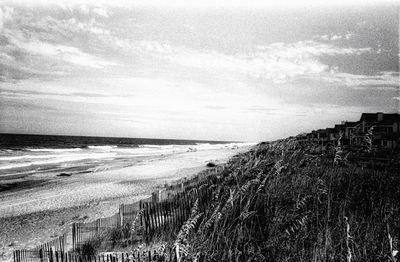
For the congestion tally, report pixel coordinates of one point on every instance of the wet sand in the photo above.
(45, 207)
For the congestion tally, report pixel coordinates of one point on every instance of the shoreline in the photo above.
(30, 218)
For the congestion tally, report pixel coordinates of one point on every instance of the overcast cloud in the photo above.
(209, 72)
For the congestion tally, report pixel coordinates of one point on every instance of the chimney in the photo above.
(379, 116)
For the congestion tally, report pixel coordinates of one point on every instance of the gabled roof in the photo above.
(386, 118)
(369, 117)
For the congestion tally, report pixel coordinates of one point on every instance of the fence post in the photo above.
(154, 198)
(152, 217)
(141, 217)
(160, 214)
(179, 208)
(73, 236)
(121, 214)
(146, 218)
(41, 255)
(51, 255)
(149, 220)
(157, 217)
(173, 205)
(164, 213)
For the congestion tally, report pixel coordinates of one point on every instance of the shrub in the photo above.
(211, 164)
(92, 246)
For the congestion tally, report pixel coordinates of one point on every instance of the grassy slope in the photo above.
(283, 202)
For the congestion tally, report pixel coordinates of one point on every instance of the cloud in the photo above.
(61, 52)
(334, 37)
(49, 43)
(1, 19)
(213, 107)
(38, 94)
(276, 62)
(101, 11)
(349, 35)
(37, 53)
(263, 109)
(204, 3)
(381, 81)
(6, 13)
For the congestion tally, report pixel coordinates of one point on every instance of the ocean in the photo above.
(41, 155)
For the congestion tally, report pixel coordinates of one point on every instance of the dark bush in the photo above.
(211, 164)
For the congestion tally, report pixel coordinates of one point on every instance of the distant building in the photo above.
(350, 129)
(331, 132)
(384, 130)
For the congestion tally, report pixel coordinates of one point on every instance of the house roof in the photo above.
(369, 117)
(386, 118)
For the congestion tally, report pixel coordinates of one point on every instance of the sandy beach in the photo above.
(46, 206)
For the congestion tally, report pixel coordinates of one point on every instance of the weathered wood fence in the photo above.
(165, 209)
(82, 232)
(40, 253)
(60, 256)
(172, 213)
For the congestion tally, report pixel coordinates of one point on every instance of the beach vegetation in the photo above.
(282, 201)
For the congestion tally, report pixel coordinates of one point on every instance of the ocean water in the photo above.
(23, 155)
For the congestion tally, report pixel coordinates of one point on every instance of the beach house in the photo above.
(384, 130)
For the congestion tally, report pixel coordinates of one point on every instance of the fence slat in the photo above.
(173, 210)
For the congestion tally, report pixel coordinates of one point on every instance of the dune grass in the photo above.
(287, 201)
(284, 202)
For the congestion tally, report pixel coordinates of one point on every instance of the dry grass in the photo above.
(291, 201)
(282, 202)
(112, 239)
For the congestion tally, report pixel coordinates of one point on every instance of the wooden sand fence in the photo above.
(173, 210)
(82, 232)
(165, 209)
(156, 217)
(41, 252)
(132, 256)
(172, 213)
(161, 207)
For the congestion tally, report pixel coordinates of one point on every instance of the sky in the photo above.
(232, 70)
